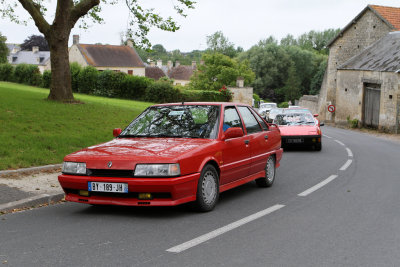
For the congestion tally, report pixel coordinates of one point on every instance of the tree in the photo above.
(67, 14)
(35, 40)
(291, 90)
(219, 70)
(218, 43)
(3, 49)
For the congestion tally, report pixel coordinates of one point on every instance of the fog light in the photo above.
(145, 196)
(314, 140)
(84, 193)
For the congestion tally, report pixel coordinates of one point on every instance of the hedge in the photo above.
(87, 80)
(27, 74)
(6, 72)
(46, 79)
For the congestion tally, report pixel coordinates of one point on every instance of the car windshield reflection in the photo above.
(180, 121)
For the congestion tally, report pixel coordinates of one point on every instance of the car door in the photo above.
(235, 151)
(258, 136)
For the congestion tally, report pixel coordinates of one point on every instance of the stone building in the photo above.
(371, 25)
(242, 94)
(118, 58)
(34, 57)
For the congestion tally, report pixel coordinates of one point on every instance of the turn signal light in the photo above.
(145, 196)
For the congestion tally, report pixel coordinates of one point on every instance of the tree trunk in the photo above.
(60, 89)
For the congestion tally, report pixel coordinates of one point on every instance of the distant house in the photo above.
(119, 58)
(181, 74)
(34, 57)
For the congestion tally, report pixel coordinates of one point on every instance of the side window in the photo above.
(261, 121)
(249, 120)
(231, 118)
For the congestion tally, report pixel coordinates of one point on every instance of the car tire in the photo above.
(318, 147)
(207, 189)
(269, 178)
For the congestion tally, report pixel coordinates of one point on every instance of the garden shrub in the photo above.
(109, 83)
(161, 92)
(201, 96)
(46, 79)
(87, 80)
(134, 87)
(6, 72)
(75, 69)
(283, 105)
(27, 74)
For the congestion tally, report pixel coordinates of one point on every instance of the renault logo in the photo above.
(109, 164)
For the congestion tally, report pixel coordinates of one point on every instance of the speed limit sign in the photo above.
(331, 108)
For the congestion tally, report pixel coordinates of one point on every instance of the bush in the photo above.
(283, 105)
(87, 80)
(201, 95)
(109, 83)
(256, 100)
(161, 92)
(6, 72)
(352, 123)
(46, 79)
(27, 74)
(134, 87)
(75, 69)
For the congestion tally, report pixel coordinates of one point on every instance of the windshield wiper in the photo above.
(131, 136)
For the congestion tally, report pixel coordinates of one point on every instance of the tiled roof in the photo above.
(391, 14)
(110, 56)
(154, 73)
(181, 73)
(383, 55)
(29, 57)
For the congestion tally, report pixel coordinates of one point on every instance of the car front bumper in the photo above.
(164, 191)
(300, 140)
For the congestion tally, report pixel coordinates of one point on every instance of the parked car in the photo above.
(264, 108)
(272, 113)
(176, 153)
(299, 129)
(297, 109)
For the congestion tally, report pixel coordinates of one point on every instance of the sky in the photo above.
(243, 22)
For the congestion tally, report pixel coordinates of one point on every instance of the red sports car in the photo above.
(176, 153)
(299, 129)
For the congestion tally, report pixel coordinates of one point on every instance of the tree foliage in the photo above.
(3, 49)
(218, 43)
(35, 40)
(220, 70)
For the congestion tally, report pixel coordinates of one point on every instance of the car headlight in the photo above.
(156, 170)
(74, 167)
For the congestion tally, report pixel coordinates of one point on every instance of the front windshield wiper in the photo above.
(131, 136)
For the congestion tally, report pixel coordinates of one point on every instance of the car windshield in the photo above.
(294, 119)
(297, 110)
(180, 121)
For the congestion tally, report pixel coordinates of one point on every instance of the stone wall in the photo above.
(76, 56)
(361, 34)
(242, 95)
(350, 93)
(310, 102)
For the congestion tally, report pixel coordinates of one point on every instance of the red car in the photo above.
(176, 153)
(299, 129)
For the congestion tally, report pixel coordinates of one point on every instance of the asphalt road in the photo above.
(337, 207)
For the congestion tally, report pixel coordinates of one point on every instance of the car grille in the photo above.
(110, 173)
(120, 195)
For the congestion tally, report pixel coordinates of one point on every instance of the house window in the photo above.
(14, 59)
(130, 72)
(41, 59)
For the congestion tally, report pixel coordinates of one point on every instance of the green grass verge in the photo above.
(35, 131)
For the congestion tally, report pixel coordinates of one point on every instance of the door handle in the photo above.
(266, 137)
(246, 142)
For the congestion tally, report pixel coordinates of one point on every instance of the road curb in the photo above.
(53, 167)
(31, 202)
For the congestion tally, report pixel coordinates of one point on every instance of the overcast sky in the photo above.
(243, 22)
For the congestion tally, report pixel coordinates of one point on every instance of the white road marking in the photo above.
(346, 165)
(326, 136)
(340, 143)
(349, 153)
(222, 230)
(318, 186)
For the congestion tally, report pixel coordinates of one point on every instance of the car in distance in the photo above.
(272, 113)
(264, 108)
(173, 154)
(299, 129)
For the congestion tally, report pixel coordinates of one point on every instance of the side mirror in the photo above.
(233, 133)
(116, 132)
(321, 124)
(315, 115)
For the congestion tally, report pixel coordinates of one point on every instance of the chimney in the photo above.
(194, 65)
(152, 64)
(169, 64)
(15, 50)
(35, 49)
(129, 43)
(159, 63)
(240, 82)
(177, 63)
(75, 39)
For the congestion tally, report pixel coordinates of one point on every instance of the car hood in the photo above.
(299, 130)
(123, 151)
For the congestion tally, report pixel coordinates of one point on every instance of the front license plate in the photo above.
(295, 140)
(108, 187)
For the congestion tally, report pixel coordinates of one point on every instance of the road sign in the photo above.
(331, 108)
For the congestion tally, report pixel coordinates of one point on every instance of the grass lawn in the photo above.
(36, 132)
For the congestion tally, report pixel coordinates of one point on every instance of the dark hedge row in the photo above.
(108, 83)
